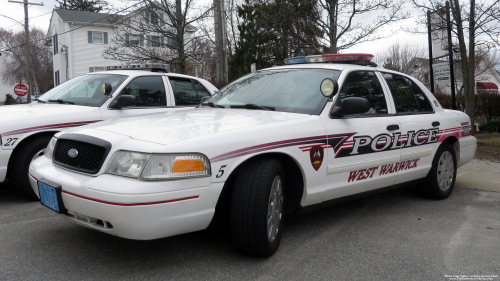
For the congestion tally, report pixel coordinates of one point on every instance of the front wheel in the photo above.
(257, 206)
(440, 181)
(20, 162)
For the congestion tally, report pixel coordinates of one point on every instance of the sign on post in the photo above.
(442, 73)
(21, 90)
(439, 34)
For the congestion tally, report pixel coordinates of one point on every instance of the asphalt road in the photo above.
(391, 236)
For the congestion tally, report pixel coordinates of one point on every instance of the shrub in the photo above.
(491, 126)
(9, 99)
(486, 108)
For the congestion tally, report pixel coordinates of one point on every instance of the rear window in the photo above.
(407, 95)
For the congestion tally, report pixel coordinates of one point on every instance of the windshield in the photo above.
(289, 90)
(83, 90)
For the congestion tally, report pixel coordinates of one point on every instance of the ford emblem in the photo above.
(72, 153)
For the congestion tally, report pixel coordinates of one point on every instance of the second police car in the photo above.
(131, 90)
(275, 142)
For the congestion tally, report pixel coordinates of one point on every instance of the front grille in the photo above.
(89, 159)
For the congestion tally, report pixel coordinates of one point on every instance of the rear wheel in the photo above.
(20, 162)
(440, 181)
(257, 207)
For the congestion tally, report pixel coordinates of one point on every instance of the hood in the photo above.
(167, 128)
(19, 117)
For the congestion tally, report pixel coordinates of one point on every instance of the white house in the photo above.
(5, 88)
(79, 40)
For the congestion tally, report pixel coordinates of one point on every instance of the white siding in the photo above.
(87, 54)
(5, 88)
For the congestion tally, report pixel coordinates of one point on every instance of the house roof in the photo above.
(87, 17)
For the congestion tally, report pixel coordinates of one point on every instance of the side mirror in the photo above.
(107, 88)
(349, 106)
(329, 87)
(123, 101)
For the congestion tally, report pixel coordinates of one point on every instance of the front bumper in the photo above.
(131, 208)
(4, 162)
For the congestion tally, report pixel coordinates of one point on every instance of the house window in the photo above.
(97, 37)
(56, 78)
(55, 44)
(133, 40)
(155, 41)
(154, 18)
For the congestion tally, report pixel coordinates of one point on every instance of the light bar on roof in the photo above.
(330, 58)
(138, 66)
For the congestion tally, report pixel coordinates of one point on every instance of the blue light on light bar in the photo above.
(295, 60)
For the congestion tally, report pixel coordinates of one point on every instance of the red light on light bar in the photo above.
(347, 57)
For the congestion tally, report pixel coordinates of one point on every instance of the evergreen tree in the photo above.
(272, 31)
(83, 5)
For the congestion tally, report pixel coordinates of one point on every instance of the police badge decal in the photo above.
(316, 155)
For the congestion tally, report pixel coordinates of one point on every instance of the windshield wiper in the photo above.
(62, 101)
(40, 101)
(252, 106)
(211, 104)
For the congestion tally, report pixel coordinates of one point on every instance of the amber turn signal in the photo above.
(187, 166)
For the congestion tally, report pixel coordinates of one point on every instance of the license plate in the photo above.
(50, 196)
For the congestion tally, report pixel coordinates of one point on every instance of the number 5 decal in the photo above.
(221, 171)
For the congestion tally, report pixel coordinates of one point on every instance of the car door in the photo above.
(151, 95)
(418, 122)
(187, 92)
(361, 152)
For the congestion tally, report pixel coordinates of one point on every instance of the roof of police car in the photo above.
(142, 73)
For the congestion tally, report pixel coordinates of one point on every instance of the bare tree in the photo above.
(40, 56)
(156, 32)
(345, 21)
(476, 26)
(406, 58)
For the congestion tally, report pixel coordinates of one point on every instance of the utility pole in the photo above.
(450, 57)
(26, 44)
(220, 42)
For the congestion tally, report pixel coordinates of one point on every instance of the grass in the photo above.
(488, 146)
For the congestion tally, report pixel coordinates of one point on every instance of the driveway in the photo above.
(396, 235)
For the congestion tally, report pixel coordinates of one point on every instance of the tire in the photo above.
(20, 162)
(440, 181)
(250, 204)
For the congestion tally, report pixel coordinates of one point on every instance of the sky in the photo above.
(40, 17)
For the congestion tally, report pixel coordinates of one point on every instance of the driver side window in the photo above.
(149, 91)
(365, 84)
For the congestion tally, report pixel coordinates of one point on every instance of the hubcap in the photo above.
(38, 154)
(275, 208)
(445, 171)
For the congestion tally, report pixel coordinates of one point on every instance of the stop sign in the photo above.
(21, 90)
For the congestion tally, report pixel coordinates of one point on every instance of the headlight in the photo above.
(159, 166)
(50, 148)
(127, 163)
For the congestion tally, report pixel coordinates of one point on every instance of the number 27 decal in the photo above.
(221, 171)
(10, 141)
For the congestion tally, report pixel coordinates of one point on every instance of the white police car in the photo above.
(278, 141)
(25, 130)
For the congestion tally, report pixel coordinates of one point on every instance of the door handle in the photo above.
(435, 124)
(393, 127)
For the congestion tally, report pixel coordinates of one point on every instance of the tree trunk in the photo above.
(467, 63)
(180, 36)
(332, 13)
(471, 94)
